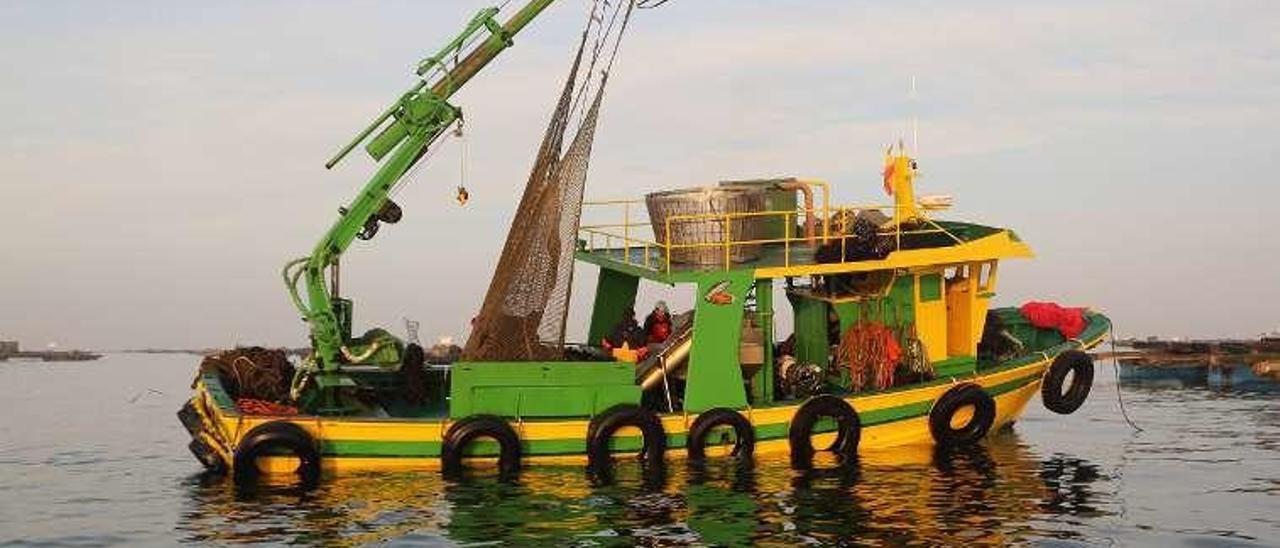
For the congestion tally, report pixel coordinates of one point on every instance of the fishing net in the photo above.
(525, 309)
(253, 373)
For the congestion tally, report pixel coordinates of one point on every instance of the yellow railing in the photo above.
(630, 234)
(595, 232)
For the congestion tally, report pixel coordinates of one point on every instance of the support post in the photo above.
(715, 371)
(762, 383)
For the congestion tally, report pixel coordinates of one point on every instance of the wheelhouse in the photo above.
(931, 283)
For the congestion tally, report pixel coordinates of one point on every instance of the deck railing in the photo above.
(635, 233)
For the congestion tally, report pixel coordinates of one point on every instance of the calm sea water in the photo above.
(91, 454)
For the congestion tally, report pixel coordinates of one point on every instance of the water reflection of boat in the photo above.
(999, 492)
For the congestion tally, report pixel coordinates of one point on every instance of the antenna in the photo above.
(915, 119)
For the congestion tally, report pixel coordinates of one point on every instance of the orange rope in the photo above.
(869, 348)
(250, 406)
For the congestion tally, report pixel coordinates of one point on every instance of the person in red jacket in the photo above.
(657, 326)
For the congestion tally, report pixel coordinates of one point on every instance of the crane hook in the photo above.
(462, 196)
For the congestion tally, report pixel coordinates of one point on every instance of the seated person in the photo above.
(627, 331)
(657, 326)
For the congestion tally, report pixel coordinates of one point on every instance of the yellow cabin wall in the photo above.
(931, 319)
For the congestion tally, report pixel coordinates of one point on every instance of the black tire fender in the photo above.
(744, 434)
(849, 429)
(606, 424)
(276, 435)
(467, 430)
(1080, 366)
(946, 407)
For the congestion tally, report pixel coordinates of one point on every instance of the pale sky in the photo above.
(160, 161)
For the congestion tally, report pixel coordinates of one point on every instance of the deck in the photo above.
(939, 243)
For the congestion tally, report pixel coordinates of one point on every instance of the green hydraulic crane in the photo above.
(405, 131)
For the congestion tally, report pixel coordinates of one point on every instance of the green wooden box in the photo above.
(540, 389)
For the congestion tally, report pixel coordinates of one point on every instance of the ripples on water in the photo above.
(89, 456)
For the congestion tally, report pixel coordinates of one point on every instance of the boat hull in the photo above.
(890, 419)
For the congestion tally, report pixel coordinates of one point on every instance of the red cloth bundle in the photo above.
(1068, 321)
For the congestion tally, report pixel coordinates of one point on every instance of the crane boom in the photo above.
(405, 131)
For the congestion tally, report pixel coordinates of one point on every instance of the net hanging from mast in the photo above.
(525, 309)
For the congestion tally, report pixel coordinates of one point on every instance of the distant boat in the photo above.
(10, 349)
(65, 355)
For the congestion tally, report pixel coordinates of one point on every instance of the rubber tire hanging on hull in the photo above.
(848, 429)
(1080, 365)
(744, 434)
(606, 424)
(279, 434)
(984, 415)
(468, 430)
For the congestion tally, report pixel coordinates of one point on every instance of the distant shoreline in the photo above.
(205, 351)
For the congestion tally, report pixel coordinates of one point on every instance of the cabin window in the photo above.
(986, 277)
(930, 287)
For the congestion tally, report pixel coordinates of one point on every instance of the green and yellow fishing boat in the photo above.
(893, 347)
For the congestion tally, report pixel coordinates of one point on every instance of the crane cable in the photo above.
(602, 39)
(430, 153)
(461, 196)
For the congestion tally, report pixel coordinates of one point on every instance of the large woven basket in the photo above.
(717, 201)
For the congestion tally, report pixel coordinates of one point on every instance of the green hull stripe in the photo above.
(431, 449)
(895, 414)
(362, 448)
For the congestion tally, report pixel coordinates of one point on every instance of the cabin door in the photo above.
(969, 290)
(961, 287)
